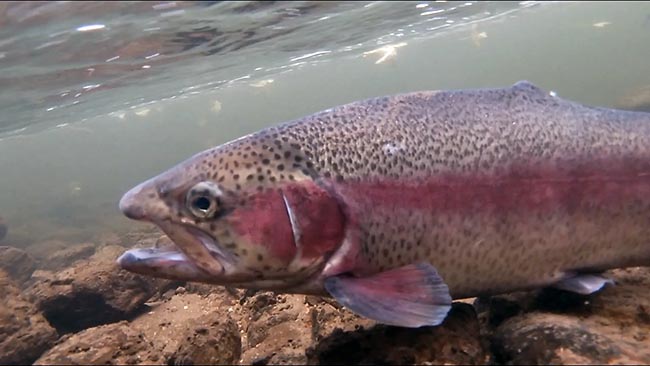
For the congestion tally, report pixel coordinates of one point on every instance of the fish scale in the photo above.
(449, 194)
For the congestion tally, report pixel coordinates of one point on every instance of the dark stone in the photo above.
(456, 341)
(550, 339)
(16, 263)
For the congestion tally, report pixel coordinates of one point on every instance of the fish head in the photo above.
(236, 216)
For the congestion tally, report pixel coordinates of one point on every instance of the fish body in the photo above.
(396, 205)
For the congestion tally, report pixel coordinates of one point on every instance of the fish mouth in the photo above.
(194, 256)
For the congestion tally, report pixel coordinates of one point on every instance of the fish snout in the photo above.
(142, 203)
(130, 209)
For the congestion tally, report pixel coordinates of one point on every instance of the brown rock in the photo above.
(610, 326)
(296, 329)
(212, 340)
(551, 339)
(456, 341)
(24, 332)
(57, 254)
(42, 250)
(107, 238)
(189, 327)
(116, 344)
(95, 291)
(67, 256)
(18, 264)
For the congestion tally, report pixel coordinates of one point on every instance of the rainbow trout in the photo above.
(396, 205)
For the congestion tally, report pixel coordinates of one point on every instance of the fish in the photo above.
(396, 206)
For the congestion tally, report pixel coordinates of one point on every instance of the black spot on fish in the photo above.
(260, 257)
(265, 161)
(280, 167)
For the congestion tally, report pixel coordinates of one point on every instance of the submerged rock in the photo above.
(92, 292)
(67, 256)
(187, 329)
(456, 341)
(559, 339)
(296, 329)
(57, 254)
(24, 332)
(16, 263)
(117, 344)
(608, 327)
(211, 339)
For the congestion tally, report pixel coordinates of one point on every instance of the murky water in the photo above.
(97, 97)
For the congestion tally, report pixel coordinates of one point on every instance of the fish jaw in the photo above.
(170, 264)
(197, 255)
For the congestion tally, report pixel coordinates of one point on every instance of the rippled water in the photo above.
(99, 96)
(70, 57)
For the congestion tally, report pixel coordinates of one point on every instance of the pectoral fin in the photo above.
(583, 284)
(411, 296)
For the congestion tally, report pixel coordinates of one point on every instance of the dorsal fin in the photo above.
(525, 86)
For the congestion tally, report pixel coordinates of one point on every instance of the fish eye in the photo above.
(203, 200)
(202, 204)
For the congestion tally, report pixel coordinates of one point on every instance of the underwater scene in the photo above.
(324, 182)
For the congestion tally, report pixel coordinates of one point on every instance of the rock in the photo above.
(189, 327)
(456, 341)
(67, 256)
(93, 292)
(551, 339)
(186, 329)
(107, 238)
(43, 250)
(610, 326)
(24, 332)
(212, 339)
(117, 344)
(3, 228)
(16, 263)
(57, 254)
(296, 329)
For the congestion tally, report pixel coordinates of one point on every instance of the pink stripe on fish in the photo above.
(521, 188)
